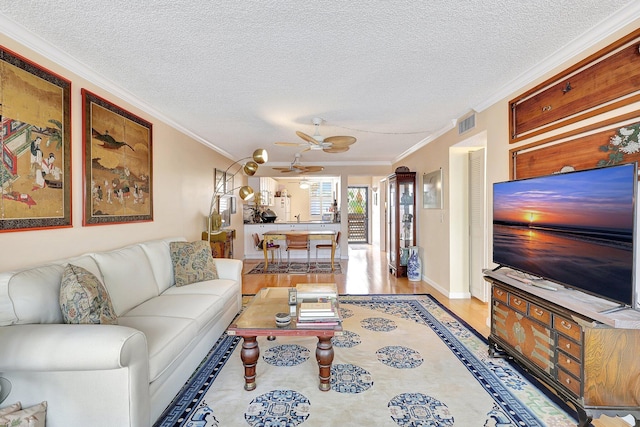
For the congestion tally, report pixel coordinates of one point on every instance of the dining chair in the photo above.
(272, 248)
(298, 243)
(327, 246)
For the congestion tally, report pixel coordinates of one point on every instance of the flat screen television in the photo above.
(576, 229)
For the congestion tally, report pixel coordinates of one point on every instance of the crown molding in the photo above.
(437, 134)
(40, 46)
(594, 35)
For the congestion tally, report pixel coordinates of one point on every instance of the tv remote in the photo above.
(519, 278)
(543, 285)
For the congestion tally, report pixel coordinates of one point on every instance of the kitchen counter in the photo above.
(306, 222)
(251, 252)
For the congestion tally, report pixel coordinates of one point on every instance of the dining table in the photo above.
(272, 235)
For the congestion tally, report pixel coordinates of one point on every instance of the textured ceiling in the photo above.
(243, 74)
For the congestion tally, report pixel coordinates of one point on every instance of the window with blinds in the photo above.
(320, 198)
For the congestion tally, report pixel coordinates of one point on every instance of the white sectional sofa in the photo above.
(112, 375)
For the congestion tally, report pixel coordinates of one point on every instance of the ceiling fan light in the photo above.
(304, 185)
(260, 156)
(246, 193)
(250, 168)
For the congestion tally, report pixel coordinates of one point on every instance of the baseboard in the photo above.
(446, 292)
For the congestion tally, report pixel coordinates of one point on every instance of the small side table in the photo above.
(221, 242)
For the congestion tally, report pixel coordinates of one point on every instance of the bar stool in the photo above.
(271, 248)
(298, 243)
(327, 246)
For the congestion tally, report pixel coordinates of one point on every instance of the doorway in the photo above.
(477, 241)
(467, 228)
(358, 214)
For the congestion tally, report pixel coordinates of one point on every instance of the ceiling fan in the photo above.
(330, 144)
(298, 168)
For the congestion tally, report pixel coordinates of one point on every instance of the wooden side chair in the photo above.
(327, 246)
(273, 249)
(298, 243)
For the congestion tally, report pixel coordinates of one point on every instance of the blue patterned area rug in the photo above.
(322, 267)
(403, 360)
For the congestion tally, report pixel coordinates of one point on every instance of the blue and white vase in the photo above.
(414, 266)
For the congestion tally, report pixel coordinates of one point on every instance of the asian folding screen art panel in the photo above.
(35, 172)
(118, 158)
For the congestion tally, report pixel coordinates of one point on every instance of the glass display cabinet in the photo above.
(401, 219)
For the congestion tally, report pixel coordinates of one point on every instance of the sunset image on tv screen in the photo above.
(575, 228)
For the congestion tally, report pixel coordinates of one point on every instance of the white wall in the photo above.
(440, 244)
(182, 181)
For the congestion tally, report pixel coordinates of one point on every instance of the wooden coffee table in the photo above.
(258, 320)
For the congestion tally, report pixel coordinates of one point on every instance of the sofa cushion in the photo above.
(159, 255)
(167, 337)
(128, 277)
(8, 315)
(31, 295)
(34, 293)
(224, 288)
(192, 262)
(200, 308)
(83, 298)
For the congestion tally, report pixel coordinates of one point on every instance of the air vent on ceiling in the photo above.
(466, 124)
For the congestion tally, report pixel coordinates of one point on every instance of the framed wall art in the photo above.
(432, 190)
(35, 172)
(118, 164)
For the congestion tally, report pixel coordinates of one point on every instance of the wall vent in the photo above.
(466, 124)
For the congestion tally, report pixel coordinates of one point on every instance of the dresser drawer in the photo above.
(500, 294)
(567, 328)
(570, 347)
(569, 382)
(540, 314)
(569, 364)
(518, 304)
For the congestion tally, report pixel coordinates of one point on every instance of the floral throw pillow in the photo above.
(34, 416)
(84, 299)
(192, 262)
(10, 409)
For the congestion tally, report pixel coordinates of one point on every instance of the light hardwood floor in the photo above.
(366, 272)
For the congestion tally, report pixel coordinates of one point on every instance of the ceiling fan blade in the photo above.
(281, 169)
(314, 168)
(340, 140)
(336, 149)
(306, 149)
(300, 167)
(307, 137)
(288, 144)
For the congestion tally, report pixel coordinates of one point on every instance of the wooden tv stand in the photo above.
(571, 341)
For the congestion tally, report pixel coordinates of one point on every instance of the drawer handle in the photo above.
(538, 312)
(566, 325)
(568, 345)
(568, 381)
(516, 301)
(499, 292)
(546, 108)
(568, 361)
